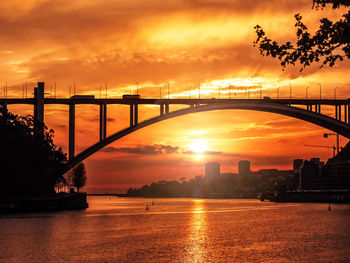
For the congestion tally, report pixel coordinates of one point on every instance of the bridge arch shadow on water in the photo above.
(321, 120)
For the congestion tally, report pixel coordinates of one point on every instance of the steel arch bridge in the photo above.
(312, 113)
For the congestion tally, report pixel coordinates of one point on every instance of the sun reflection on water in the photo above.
(196, 248)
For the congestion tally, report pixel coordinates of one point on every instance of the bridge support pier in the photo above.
(318, 108)
(167, 108)
(103, 121)
(71, 144)
(345, 113)
(136, 113)
(161, 109)
(348, 120)
(133, 114)
(336, 112)
(39, 104)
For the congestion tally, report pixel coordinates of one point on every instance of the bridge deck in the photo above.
(150, 101)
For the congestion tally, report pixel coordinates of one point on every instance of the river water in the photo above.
(116, 229)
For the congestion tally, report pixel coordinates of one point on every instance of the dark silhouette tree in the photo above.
(79, 176)
(330, 43)
(30, 163)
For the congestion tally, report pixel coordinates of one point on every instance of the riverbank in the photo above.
(58, 202)
(309, 196)
(211, 196)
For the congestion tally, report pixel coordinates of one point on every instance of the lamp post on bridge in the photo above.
(168, 90)
(335, 93)
(260, 91)
(278, 92)
(229, 91)
(199, 91)
(320, 91)
(290, 91)
(307, 88)
(106, 89)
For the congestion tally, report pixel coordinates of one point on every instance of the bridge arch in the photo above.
(309, 116)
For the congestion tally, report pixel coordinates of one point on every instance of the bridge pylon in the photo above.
(71, 142)
(103, 121)
(39, 106)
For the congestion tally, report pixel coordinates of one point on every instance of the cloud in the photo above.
(203, 153)
(143, 149)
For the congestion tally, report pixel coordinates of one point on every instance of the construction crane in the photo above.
(323, 146)
(325, 135)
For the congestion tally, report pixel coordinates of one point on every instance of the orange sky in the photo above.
(154, 42)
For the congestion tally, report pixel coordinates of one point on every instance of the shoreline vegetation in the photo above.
(32, 168)
(228, 185)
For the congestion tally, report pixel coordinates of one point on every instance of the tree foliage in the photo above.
(226, 185)
(329, 44)
(79, 176)
(31, 164)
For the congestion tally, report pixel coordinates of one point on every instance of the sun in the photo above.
(198, 146)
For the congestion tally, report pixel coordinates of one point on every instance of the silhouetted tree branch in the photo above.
(330, 43)
(31, 164)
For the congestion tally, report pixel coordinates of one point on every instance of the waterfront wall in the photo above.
(333, 196)
(58, 202)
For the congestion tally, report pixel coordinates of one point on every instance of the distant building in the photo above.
(244, 167)
(310, 173)
(337, 175)
(336, 172)
(212, 170)
(297, 163)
